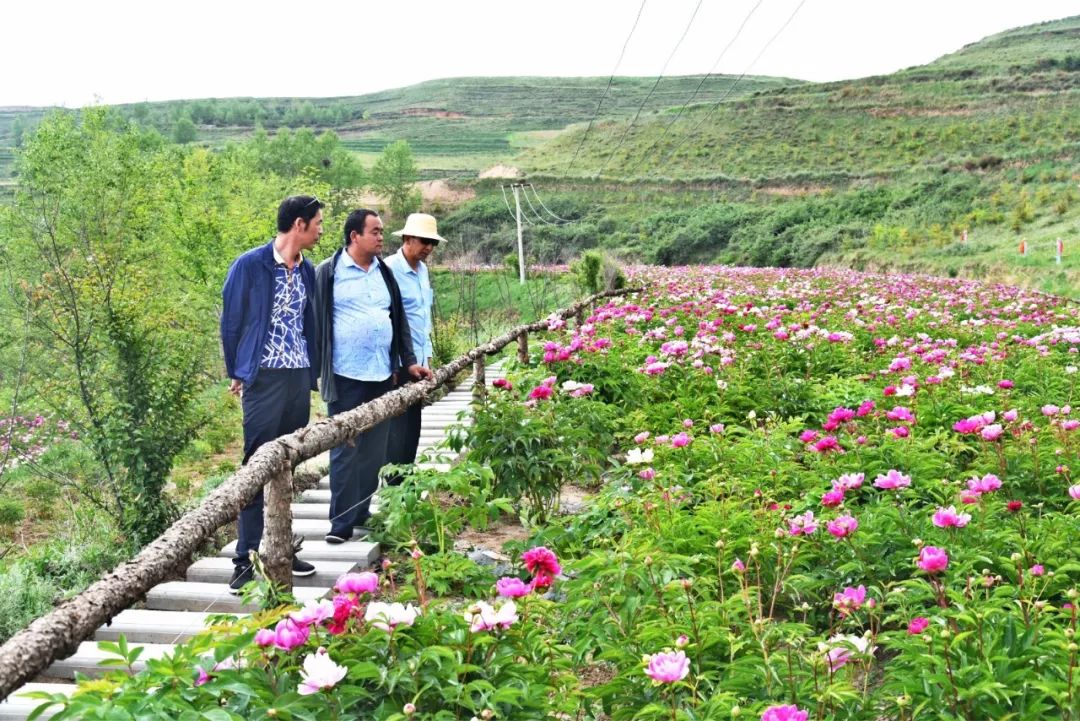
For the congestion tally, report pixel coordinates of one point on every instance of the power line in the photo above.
(541, 218)
(508, 210)
(653, 90)
(732, 87)
(693, 95)
(541, 202)
(608, 88)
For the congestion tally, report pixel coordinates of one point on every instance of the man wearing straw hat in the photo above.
(418, 240)
(365, 342)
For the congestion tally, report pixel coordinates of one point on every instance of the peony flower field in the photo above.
(815, 494)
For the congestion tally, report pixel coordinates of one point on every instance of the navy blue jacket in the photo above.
(247, 302)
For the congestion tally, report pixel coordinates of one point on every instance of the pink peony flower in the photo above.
(738, 566)
(314, 612)
(288, 634)
(1037, 570)
(918, 625)
(899, 432)
(1074, 492)
(1050, 410)
(902, 414)
(785, 712)
(849, 600)
(541, 561)
(809, 436)
(319, 673)
(892, 481)
(849, 481)
(641, 437)
(265, 637)
(680, 440)
(992, 432)
(503, 384)
(933, 560)
(510, 587)
(842, 526)
(540, 393)
(482, 617)
(832, 498)
(716, 428)
(828, 444)
(1005, 384)
(667, 666)
(647, 474)
(949, 518)
(802, 525)
(986, 484)
(357, 583)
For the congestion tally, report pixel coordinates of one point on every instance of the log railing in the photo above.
(57, 634)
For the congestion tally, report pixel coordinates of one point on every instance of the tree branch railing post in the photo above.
(523, 348)
(479, 387)
(57, 634)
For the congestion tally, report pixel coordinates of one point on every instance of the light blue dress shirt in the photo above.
(417, 296)
(362, 329)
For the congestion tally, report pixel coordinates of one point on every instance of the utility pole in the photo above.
(521, 246)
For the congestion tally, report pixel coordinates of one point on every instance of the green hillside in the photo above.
(883, 172)
(458, 125)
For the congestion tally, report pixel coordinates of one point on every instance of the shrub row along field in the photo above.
(821, 495)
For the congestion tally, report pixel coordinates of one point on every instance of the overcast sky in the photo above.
(81, 52)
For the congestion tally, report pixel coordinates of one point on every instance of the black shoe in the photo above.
(242, 576)
(302, 568)
(336, 536)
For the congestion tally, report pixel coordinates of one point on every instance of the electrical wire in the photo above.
(693, 95)
(508, 210)
(541, 218)
(541, 202)
(611, 79)
(659, 77)
(732, 87)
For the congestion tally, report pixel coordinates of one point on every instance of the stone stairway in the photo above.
(175, 611)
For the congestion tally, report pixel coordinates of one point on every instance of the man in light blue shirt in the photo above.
(418, 240)
(365, 343)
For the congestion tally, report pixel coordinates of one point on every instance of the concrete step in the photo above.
(16, 707)
(358, 552)
(315, 496)
(219, 570)
(212, 597)
(88, 657)
(142, 626)
(309, 509)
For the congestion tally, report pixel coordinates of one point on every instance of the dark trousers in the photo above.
(404, 437)
(277, 403)
(354, 468)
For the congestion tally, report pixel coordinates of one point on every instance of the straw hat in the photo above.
(420, 225)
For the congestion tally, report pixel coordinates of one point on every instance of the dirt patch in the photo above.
(919, 112)
(573, 499)
(596, 674)
(794, 190)
(501, 171)
(431, 113)
(432, 192)
(493, 537)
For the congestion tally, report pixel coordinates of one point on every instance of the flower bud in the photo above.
(719, 544)
(409, 709)
(648, 560)
(487, 714)
(917, 542)
(1072, 647)
(687, 583)
(1015, 557)
(1073, 594)
(735, 711)
(1069, 633)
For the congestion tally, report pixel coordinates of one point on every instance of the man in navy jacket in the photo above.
(269, 339)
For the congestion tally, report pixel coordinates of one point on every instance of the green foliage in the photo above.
(119, 341)
(184, 131)
(596, 271)
(429, 508)
(394, 176)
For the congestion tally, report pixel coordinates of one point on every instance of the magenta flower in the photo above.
(641, 437)
(1037, 570)
(319, 673)
(849, 600)
(1050, 410)
(1074, 492)
(785, 712)
(992, 432)
(541, 562)
(949, 518)
(809, 436)
(900, 413)
(1005, 384)
(503, 384)
(366, 582)
(832, 498)
(716, 428)
(540, 393)
(899, 432)
(918, 625)
(802, 525)
(510, 587)
(647, 474)
(680, 440)
(203, 676)
(892, 481)
(842, 526)
(828, 444)
(933, 560)
(265, 637)
(288, 634)
(667, 666)
(738, 566)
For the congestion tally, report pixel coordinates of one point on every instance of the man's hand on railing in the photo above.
(418, 372)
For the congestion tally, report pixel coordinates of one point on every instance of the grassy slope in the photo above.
(455, 125)
(972, 140)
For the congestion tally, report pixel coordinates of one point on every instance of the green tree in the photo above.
(394, 176)
(184, 130)
(122, 345)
